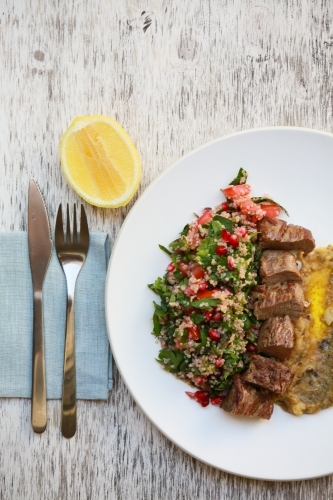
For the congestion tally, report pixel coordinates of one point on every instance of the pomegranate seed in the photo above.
(202, 397)
(217, 316)
(231, 263)
(189, 292)
(208, 315)
(219, 362)
(250, 347)
(214, 334)
(225, 235)
(190, 394)
(225, 206)
(199, 381)
(204, 402)
(216, 400)
(207, 209)
(241, 231)
(171, 267)
(233, 240)
(221, 250)
(203, 285)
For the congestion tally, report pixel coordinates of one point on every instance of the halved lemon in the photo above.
(99, 161)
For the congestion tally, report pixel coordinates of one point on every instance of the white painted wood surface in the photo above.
(175, 74)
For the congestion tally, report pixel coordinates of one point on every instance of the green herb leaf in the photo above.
(259, 199)
(227, 223)
(170, 359)
(205, 303)
(197, 318)
(165, 250)
(240, 179)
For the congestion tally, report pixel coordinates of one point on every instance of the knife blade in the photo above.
(40, 250)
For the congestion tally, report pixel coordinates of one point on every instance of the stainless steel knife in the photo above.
(40, 250)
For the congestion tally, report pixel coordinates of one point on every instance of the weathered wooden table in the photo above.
(175, 74)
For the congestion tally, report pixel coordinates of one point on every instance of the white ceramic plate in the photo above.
(294, 166)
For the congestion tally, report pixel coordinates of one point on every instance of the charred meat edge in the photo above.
(276, 337)
(277, 266)
(276, 234)
(279, 299)
(268, 374)
(245, 399)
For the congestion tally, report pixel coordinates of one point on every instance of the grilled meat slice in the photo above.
(245, 399)
(269, 374)
(279, 299)
(276, 337)
(276, 234)
(277, 266)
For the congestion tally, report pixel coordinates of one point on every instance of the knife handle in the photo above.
(38, 400)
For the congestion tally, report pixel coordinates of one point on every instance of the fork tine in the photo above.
(84, 231)
(59, 228)
(75, 237)
(68, 228)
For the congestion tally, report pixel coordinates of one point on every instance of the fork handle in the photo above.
(68, 421)
(38, 396)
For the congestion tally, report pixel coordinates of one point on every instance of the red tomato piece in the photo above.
(197, 271)
(193, 332)
(206, 294)
(205, 218)
(238, 191)
(271, 210)
(249, 207)
(183, 268)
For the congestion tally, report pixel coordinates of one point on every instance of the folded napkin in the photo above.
(93, 356)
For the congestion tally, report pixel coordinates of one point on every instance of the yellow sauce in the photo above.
(312, 356)
(316, 294)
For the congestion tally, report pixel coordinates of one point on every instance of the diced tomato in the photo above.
(238, 191)
(205, 218)
(183, 268)
(271, 210)
(197, 271)
(171, 267)
(193, 332)
(249, 207)
(206, 294)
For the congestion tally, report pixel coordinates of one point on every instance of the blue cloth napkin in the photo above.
(93, 356)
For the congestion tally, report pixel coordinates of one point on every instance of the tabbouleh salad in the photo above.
(203, 322)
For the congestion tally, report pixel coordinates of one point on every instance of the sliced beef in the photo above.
(276, 337)
(269, 374)
(276, 234)
(277, 266)
(279, 299)
(245, 399)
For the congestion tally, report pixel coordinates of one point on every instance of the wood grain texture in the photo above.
(175, 74)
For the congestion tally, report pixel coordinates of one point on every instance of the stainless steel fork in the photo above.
(71, 252)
